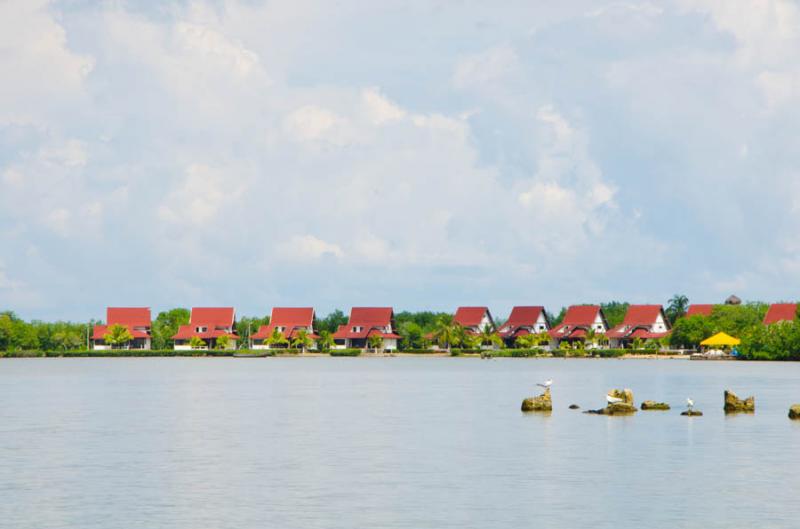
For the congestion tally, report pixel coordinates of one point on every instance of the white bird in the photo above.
(613, 400)
(690, 403)
(547, 383)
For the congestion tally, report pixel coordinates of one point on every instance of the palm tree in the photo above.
(527, 341)
(117, 334)
(591, 337)
(326, 340)
(223, 341)
(471, 341)
(488, 336)
(302, 341)
(445, 332)
(195, 342)
(375, 341)
(277, 338)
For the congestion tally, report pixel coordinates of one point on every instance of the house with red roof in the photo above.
(135, 319)
(523, 321)
(208, 324)
(778, 312)
(288, 321)
(577, 322)
(473, 319)
(645, 322)
(700, 309)
(365, 322)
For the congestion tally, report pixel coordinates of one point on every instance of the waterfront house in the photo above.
(778, 312)
(288, 321)
(364, 323)
(700, 309)
(208, 324)
(578, 323)
(135, 319)
(473, 319)
(645, 322)
(523, 321)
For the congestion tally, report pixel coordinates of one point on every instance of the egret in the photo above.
(547, 383)
(689, 403)
(613, 400)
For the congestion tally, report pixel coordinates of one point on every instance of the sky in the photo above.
(415, 154)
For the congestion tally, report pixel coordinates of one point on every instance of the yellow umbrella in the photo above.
(721, 339)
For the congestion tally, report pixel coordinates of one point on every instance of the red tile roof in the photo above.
(185, 332)
(133, 316)
(520, 321)
(638, 318)
(470, 316)
(213, 316)
(578, 318)
(780, 312)
(369, 319)
(696, 309)
(292, 319)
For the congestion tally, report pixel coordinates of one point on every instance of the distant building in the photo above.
(473, 319)
(365, 322)
(577, 322)
(778, 312)
(700, 309)
(135, 319)
(287, 320)
(646, 322)
(523, 321)
(208, 324)
(733, 300)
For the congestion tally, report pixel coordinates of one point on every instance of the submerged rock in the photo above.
(574, 407)
(617, 408)
(692, 413)
(541, 403)
(794, 412)
(734, 404)
(653, 405)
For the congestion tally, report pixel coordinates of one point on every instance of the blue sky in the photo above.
(416, 154)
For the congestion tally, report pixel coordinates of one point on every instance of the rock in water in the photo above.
(734, 404)
(794, 412)
(692, 413)
(625, 394)
(574, 407)
(653, 405)
(541, 403)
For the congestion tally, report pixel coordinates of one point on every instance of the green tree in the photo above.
(67, 339)
(447, 332)
(117, 335)
(195, 342)
(223, 342)
(331, 322)
(412, 335)
(526, 341)
(302, 340)
(688, 332)
(277, 338)
(488, 336)
(471, 341)
(676, 307)
(375, 342)
(615, 311)
(166, 325)
(247, 326)
(558, 318)
(326, 341)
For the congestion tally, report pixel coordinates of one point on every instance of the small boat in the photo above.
(251, 355)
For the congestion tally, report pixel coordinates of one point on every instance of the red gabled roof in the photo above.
(132, 316)
(368, 318)
(780, 312)
(581, 315)
(213, 316)
(704, 309)
(642, 315)
(185, 332)
(470, 316)
(291, 319)
(520, 319)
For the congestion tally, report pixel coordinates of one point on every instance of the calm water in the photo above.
(390, 442)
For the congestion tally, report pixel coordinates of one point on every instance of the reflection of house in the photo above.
(135, 319)
(577, 322)
(523, 321)
(473, 319)
(365, 322)
(701, 309)
(645, 322)
(288, 321)
(778, 312)
(208, 324)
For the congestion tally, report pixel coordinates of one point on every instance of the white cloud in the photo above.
(302, 247)
(486, 67)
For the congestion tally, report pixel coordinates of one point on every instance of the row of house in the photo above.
(208, 324)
